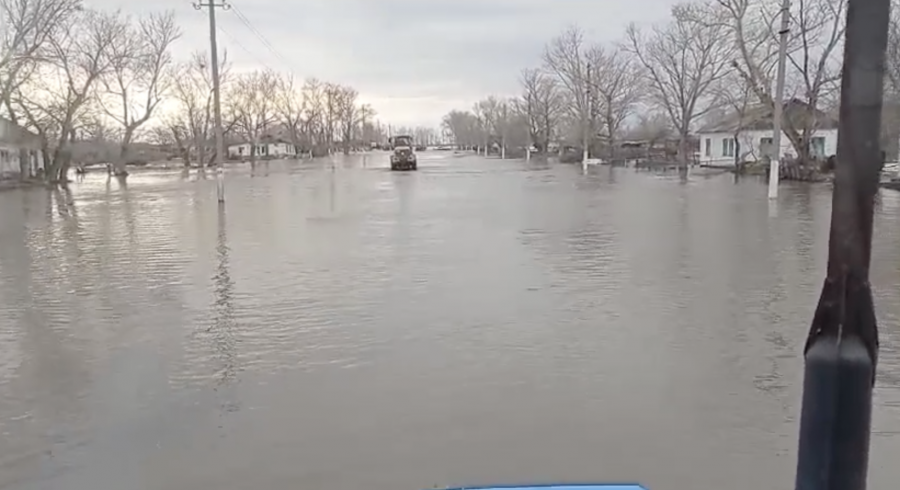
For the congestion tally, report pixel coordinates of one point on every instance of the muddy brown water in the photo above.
(477, 321)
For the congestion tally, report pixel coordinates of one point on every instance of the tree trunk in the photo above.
(737, 153)
(683, 150)
(47, 160)
(121, 162)
(64, 169)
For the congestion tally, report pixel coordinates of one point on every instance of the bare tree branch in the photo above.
(251, 104)
(139, 77)
(542, 104)
(617, 83)
(682, 60)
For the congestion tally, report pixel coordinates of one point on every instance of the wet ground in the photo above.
(477, 321)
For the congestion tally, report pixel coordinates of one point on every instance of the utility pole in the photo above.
(587, 119)
(774, 163)
(217, 94)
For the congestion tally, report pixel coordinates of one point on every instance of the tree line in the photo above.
(69, 72)
(708, 59)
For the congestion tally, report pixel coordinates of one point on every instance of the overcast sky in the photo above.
(413, 60)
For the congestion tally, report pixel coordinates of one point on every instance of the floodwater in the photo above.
(478, 321)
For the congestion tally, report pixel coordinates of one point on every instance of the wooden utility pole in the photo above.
(774, 161)
(217, 94)
(586, 123)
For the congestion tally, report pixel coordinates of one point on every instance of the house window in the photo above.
(817, 146)
(728, 147)
(708, 151)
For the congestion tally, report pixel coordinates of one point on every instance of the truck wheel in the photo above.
(415, 166)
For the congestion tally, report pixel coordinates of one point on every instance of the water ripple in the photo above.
(474, 321)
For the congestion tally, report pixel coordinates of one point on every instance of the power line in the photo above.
(239, 44)
(244, 20)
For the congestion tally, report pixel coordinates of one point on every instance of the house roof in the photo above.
(759, 117)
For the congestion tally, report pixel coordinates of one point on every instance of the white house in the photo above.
(747, 137)
(269, 148)
(19, 151)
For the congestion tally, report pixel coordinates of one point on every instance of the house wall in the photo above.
(239, 150)
(272, 149)
(16, 145)
(282, 150)
(9, 161)
(750, 148)
(10, 158)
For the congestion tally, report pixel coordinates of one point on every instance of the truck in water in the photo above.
(404, 155)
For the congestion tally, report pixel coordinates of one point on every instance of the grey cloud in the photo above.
(404, 52)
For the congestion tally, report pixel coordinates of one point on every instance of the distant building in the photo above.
(19, 151)
(753, 127)
(266, 148)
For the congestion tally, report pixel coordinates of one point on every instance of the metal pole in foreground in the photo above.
(774, 162)
(842, 348)
(217, 95)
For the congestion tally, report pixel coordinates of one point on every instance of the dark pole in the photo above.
(842, 348)
(217, 98)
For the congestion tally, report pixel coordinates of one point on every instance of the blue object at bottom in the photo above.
(580, 486)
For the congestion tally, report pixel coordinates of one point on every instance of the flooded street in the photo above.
(477, 321)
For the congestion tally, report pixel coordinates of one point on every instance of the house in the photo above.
(266, 148)
(19, 151)
(747, 136)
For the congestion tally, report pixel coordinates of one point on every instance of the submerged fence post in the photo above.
(842, 348)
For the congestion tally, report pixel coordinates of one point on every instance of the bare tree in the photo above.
(29, 26)
(682, 61)
(464, 127)
(892, 58)
(488, 112)
(367, 132)
(313, 116)
(564, 56)
(542, 105)
(331, 113)
(503, 124)
(653, 127)
(816, 54)
(890, 123)
(78, 55)
(617, 85)
(813, 56)
(423, 135)
(251, 105)
(289, 108)
(348, 115)
(191, 122)
(139, 77)
(482, 125)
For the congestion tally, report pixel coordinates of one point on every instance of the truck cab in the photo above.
(403, 156)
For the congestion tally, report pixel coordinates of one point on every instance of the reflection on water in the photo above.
(344, 326)
(222, 329)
